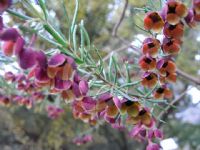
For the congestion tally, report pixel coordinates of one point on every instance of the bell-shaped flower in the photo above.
(189, 19)
(171, 46)
(153, 21)
(62, 66)
(162, 92)
(149, 79)
(174, 11)
(150, 47)
(147, 63)
(153, 146)
(170, 77)
(174, 31)
(165, 66)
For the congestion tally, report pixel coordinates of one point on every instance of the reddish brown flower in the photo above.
(170, 77)
(174, 31)
(147, 63)
(174, 11)
(196, 6)
(165, 66)
(149, 79)
(171, 46)
(196, 16)
(153, 21)
(163, 92)
(150, 47)
(143, 117)
(131, 108)
(61, 66)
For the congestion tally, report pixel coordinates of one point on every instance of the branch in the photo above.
(188, 77)
(119, 50)
(116, 27)
(171, 104)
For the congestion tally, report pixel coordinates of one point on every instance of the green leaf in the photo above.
(31, 30)
(44, 9)
(86, 35)
(156, 101)
(55, 35)
(21, 16)
(65, 12)
(130, 84)
(79, 61)
(110, 74)
(32, 10)
(139, 91)
(115, 67)
(75, 16)
(74, 38)
(150, 92)
(124, 95)
(127, 73)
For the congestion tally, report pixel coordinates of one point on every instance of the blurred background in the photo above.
(24, 129)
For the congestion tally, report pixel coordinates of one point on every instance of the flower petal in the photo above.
(9, 34)
(57, 60)
(88, 103)
(19, 44)
(27, 58)
(41, 75)
(83, 86)
(62, 84)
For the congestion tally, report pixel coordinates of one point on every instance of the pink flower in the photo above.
(138, 132)
(153, 146)
(54, 112)
(9, 76)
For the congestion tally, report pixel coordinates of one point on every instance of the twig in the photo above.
(188, 77)
(136, 49)
(171, 104)
(116, 50)
(116, 27)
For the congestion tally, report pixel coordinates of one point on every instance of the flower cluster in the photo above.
(158, 66)
(141, 134)
(58, 73)
(30, 94)
(111, 109)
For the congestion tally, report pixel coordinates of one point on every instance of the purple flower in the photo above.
(9, 76)
(189, 19)
(158, 133)
(10, 34)
(27, 58)
(153, 146)
(61, 66)
(88, 104)
(62, 84)
(54, 112)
